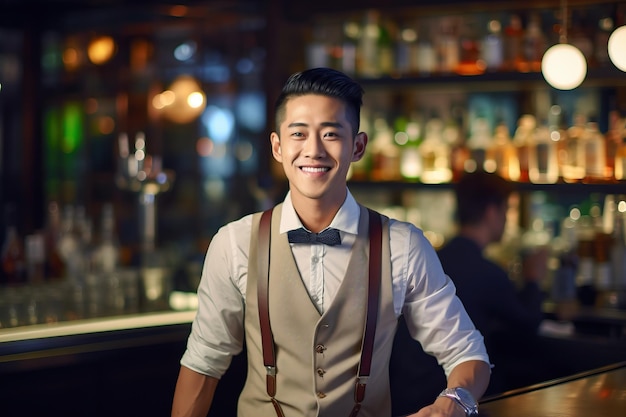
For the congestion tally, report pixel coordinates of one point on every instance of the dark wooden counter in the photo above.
(597, 393)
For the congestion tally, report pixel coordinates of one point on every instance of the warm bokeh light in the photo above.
(101, 49)
(617, 47)
(183, 102)
(70, 58)
(564, 67)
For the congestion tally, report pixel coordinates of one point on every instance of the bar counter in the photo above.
(597, 393)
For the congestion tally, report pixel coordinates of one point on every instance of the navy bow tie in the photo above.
(329, 237)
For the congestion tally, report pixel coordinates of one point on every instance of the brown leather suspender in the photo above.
(367, 348)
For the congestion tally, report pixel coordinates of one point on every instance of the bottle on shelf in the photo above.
(410, 159)
(618, 250)
(513, 43)
(368, 64)
(534, 45)
(503, 153)
(470, 59)
(523, 140)
(595, 153)
(543, 165)
(435, 153)
(425, 58)
(55, 265)
(479, 141)
(385, 153)
(612, 139)
(573, 151)
(448, 48)
(493, 46)
(620, 152)
(13, 257)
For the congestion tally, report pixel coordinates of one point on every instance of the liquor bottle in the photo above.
(558, 133)
(543, 165)
(534, 45)
(455, 135)
(35, 255)
(435, 153)
(493, 47)
(13, 258)
(479, 141)
(573, 151)
(385, 153)
(523, 140)
(367, 48)
(410, 159)
(448, 47)
(470, 62)
(54, 263)
(107, 251)
(618, 247)
(513, 41)
(425, 58)
(595, 153)
(620, 153)
(386, 56)
(612, 140)
(503, 154)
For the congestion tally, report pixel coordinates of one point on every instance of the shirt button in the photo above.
(321, 395)
(321, 371)
(315, 259)
(320, 348)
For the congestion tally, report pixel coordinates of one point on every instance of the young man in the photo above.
(318, 293)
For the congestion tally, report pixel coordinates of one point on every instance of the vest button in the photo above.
(321, 371)
(321, 395)
(320, 348)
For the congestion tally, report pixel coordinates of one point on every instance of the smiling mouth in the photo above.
(315, 169)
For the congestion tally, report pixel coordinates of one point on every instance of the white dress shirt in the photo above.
(421, 290)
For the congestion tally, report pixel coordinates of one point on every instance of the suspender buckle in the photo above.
(271, 370)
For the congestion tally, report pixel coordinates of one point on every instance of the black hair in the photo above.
(326, 82)
(476, 191)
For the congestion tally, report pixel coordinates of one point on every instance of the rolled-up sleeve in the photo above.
(217, 331)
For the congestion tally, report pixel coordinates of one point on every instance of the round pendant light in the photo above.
(564, 66)
(617, 47)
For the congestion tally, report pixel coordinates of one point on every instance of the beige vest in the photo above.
(317, 356)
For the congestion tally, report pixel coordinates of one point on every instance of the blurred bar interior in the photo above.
(131, 131)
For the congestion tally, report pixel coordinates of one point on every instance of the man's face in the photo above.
(315, 146)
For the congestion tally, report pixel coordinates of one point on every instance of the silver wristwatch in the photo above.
(463, 398)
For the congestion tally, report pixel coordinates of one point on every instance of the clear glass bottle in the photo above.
(13, 257)
(493, 46)
(573, 151)
(479, 141)
(435, 153)
(543, 165)
(503, 154)
(595, 153)
(523, 140)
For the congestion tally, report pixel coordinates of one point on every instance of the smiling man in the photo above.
(316, 285)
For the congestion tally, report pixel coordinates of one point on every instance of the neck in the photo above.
(478, 234)
(316, 214)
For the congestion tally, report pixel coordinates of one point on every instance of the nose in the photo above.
(314, 146)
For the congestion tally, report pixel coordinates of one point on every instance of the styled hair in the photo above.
(476, 191)
(326, 82)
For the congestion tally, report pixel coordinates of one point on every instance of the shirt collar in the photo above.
(346, 219)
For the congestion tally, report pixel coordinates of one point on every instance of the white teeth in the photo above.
(311, 169)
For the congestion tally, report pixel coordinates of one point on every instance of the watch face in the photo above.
(465, 397)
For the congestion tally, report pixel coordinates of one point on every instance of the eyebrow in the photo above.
(324, 124)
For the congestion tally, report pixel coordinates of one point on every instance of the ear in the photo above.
(359, 145)
(275, 145)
